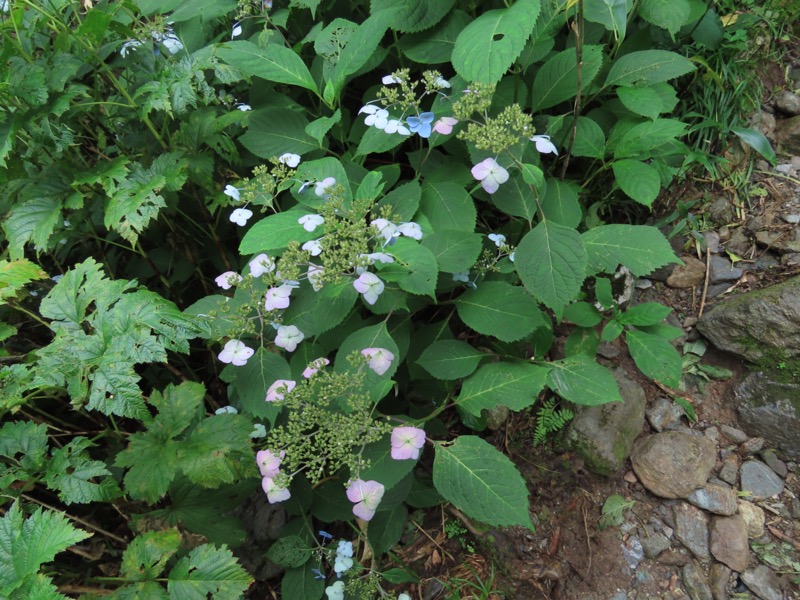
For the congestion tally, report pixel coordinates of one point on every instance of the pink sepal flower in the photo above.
(274, 492)
(367, 496)
(407, 442)
(490, 174)
(315, 366)
(278, 390)
(445, 125)
(268, 463)
(380, 359)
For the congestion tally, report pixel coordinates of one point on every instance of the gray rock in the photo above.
(712, 433)
(664, 414)
(753, 323)
(654, 544)
(791, 260)
(779, 240)
(695, 583)
(759, 480)
(721, 269)
(691, 529)
(733, 434)
(788, 136)
(792, 218)
(771, 409)
(728, 542)
(765, 262)
(633, 552)
(690, 274)
(603, 436)
(729, 471)
(717, 289)
(715, 498)
(752, 446)
(497, 416)
(719, 576)
(712, 241)
(775, 463)
(754, 518)
(764, 122)
(763, 583)
(788, 103)
(673, 464)
(721, 210)
(785, 169)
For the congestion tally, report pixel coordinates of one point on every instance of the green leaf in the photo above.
(647, 136)
(216, 450)
(275, 232)
(516, 198)
(300, 584)
(146, 556)
(647, 313)
(375, 336)
(646, 67)
(77, 477)
(448, 206)
(582, 341)
(414, 15)
(273, 131)
(289, 551)
(500, 309)
(249, 383)
(641, 248)
(514, 385)
(490, 44)
(15, 275)
(273, 63)
(314, 313)
(757, 142)
(610, 13)
(360, 47)
(611, 331)
(560, 203)
(435, 46)
(319, 127)
(645, 101)
(638, 180)
(590, 140)
(481, 482)
(583, 314)
(450, 359)
(386, 528)
(581, 380)
(208, 571)
(382, 467)
(551, 261)
(377, 141)
(655, 357)
(709, 30)
(455, 251)
(26, 544)
(32, 221)
(667, 14)
(404, 200)
(557, 79)
(419, 266)
(25, 443)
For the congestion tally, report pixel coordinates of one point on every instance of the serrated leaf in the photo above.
(551, 262)
(583, 314)
(266, 139)
(516, 198)
(215, 451)
(14, 275)
(32, 221)
(455, 251)
(667, 14)
(208, 571)
(273, 63)
(77, 477)
(414, 15)
(709, 30)
(275, 232)
(648, 136)
(382, 466)
(420, 270)
(612, 14)
(314, 313)
(386, 528)
(249, 382)
(360, 47)
(319, 127)
(590, 141)
(450, 359)
(377, 141)
(500, 309)
(374, 336)
(289, 551)
(435, 46)
(514, 385)
(645, 101)
(641, 248)
(404, 200)
(490, 44)
(481, 482)
(301, 584)
(581, 380)
(560, 203)
(638, 180)
(647, 313)
(146, 556)
(646, 67)
(448, 206)
(557, 80)
(655, 357)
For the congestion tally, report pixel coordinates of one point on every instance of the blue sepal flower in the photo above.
(421, 124)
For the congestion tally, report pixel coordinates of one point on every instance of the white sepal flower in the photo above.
(314, 248)
(233, 192)
(311, 222)
(236, 31)
(261, 264)
(544, 145)
(240, 216)
(289, 159)
(288, 337)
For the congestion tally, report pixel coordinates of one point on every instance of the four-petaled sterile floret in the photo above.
(278, 390)
(367, 495)
(407, 442)
(490, 174)
(370, 286)
(380, 359)
(288, 337)
(235, 353)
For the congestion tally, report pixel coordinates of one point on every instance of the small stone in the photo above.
(751, 446)
(724, 233)
(729, 542)
(712, 433)
(691, 529)
(795, 506)
(754, 518)
(763, 582)
(608, 350)
(715, 498)
(690, 274)
(719, 577)
(630, 477)
(761, 481)
(790, 260)
(721, 210)
(689, 322)
(792, 218)
(785, 169)
(717, 289)
(712, 241)
(674, 558)
(733, 434)
(497, 416)
(664, 414)
(788, 102)
(654, 544)
(721, 269)
(766, 262)
(775, 463)
(729, 472)
(633, 552)
(695, 583)
(643, 284)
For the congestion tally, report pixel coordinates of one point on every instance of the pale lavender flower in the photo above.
(370, 286)
(240, 216)
(407, 442)
(277, 298)
(233, 192)
(274, 492)
(228, 279)
(311, 222)
(269, 463)
(288, 337)
(261, 264)
(544, 145)
(278, 390)
(367, 495)
(498, 238)
(235, 353)
(322, 187)
(380, 359)
(490, 174)
(315, 366)
(314, 248)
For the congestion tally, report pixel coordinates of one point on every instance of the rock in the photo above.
(790, 260)
(765, 262)
(721, 269)
(603, 436)
(497, 416)
(755, 322)
(690, 274)
(788, 136)
(792, 218)
(664, 414)
(721, 210)
(735, 435)
(785, 169)
(712, 433)
(717, 289)
(633, 552)
(712, 241)
(751, 446)
(728, 542)
(654, 544)
(674, 558)
(715, 498)
(691, 529)
(739, 243)
(754, 518)
(775, 463)
(763, 583)
(695, 583)
(788, 103)
(765, 123)
(719, 576)
(779, 240)
(729, 471)
(758, 479)
(770, 408)
(673, 464)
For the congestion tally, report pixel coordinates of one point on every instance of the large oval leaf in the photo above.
(500, 309)
(273, 63)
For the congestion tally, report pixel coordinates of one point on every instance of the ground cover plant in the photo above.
(312, 246)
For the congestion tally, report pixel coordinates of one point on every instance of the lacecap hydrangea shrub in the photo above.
(309, 244)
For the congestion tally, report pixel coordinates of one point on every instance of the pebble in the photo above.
(785, 169)
(763, 582)
(691, 529)
(752, 446)
(673, 464)
(643, 284)
(712, 241)
(664, 414)
(728, 542)
(754, 518)
(721, 269)
(715, 498)
(792, 219)
(775, 463)
(733, 434)
(788, 102)
(633, 552)
(759, 480)
(674, 558)
(694, 580)
(712, 433)
(654, 544)
(690, 274)
(719, 576)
